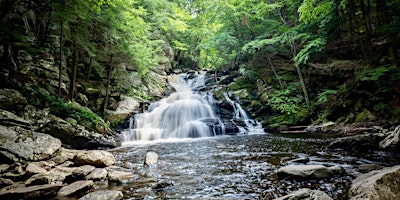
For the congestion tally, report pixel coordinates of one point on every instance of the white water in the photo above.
(183, 114)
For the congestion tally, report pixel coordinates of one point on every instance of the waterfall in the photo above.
(185, 113)
(250, 126)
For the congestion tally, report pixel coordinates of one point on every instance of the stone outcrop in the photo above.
(124, 109)
(309, 171)
(377, 185)
(77, 136)
(18, 143)
(11, 99)
(306, 194)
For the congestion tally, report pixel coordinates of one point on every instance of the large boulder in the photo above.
(306, 194)
(377, 185)
(18, 143)
(10, 119)
(125, 108)
(77, 136)
(363, 142)
(97, 158)
(75, 188)
(309, 171)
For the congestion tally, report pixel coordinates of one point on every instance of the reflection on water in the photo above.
(233, 167)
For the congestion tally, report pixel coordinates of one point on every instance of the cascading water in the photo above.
(183, 114)
(250, 126)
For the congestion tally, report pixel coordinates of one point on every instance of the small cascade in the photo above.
(239, 115)
(185, 113)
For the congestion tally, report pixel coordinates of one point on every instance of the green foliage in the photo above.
(374, 74)
(316, 45)
(82, 115)
(323, 96)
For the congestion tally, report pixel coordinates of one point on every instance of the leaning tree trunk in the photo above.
(303, 85)
(60, 57)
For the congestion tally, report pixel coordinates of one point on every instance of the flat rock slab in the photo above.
(306, 194)
(75, 188)
(309, 171)
(47, 191)
(103, 195)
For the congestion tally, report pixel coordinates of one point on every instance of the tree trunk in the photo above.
(273, 70)
(303, 85)
(89, 69)
(72, 85)
(60, 56)
(110, 69)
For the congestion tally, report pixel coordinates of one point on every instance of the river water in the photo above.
(199, 160)
(235, 167)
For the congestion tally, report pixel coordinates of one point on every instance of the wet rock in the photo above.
(75, 188)
(33, 192)
(5, 182)
(151, 158)
(309, 171)
(97, 174)
(119, 174)
(306, 194)
(77, 136)
(103, 195)
(97, 158)
(162, 186)
(365, 168)
(379, 184)
(303, 160)
(18, 143)
(392, 141)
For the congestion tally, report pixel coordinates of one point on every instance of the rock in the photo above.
(23, 144)
(11, 99)
(10, 119)
(79, 173)
(5, 182)
(377, 185)
(4, 167)
(47, 191)
(36, 117)
(77, 136)
(124, 110)
(309, 171)
(120, 177)
(39, 167)
(15, 172)
(97, 174)
(75, 188)
(306, 194)
(97, 158)
(392, 141)
(103, 195)
(119, 174)
(151, 158)
(365, 168)
(364, 142)
(54, 176)
(64, 155)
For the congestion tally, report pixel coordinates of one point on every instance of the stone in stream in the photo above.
(75, 188)
(309, 171)
(378, 184)
(306, 194)
(47, 191)
(151, 158)
(103, 195)
(97, 158)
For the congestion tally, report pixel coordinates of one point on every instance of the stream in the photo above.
(235, 167)
(202, 155)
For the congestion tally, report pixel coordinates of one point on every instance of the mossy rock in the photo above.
(365, 116)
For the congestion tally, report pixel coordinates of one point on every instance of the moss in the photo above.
(364, 116)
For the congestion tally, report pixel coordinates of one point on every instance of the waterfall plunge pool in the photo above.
(234, 167)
